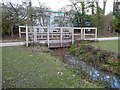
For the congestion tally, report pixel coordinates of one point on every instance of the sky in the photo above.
(55, 5)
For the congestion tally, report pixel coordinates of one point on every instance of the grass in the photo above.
(107, 36)
(0, 68)
(34, 68)
(111, 45)
(11, 40)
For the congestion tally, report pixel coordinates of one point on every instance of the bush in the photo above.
(86, 42)
(117, 25)
(102, 23)
(73, 46)
(82, 49)
(73, 51)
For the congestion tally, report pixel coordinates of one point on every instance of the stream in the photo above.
(95, 74)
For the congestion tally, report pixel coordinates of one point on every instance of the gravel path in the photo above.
(12, 44)
(22, 43)
(103, 39)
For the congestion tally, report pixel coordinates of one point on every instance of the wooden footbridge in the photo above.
(56, 37)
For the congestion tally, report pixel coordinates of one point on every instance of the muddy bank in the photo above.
(102, 59)
(106, 79)
(88, 69)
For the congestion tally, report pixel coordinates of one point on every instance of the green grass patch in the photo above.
(0, 68)
(34, 68)
(111, 45)
(12, 40)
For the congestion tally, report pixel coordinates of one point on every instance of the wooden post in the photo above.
(52, 32)
(72, 35)
(61, 36)
(48, 37)
(19, 32)
(41, 32)
(81, 34)
(84, 34)
(96, 34)
(26, 35)
(35, 34)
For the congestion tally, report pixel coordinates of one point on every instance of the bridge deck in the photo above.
(59, 45)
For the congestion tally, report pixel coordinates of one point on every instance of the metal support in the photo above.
(48, 37)
(61, 36)
(49, 21)
(63, 21)
(54, 21)
(26, 35)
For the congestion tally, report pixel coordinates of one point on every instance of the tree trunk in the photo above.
(14, 19)
(92, 8)
(30, 13)
(12, 32)
(83, 11)
(98, 11)
(83, 8)
(104, 6)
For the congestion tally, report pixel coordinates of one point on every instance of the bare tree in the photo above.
(14, 18)
(93, 8)
(30, 13)
(98, 10)
(104, 6)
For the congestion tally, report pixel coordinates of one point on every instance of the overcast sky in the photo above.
(57, 4)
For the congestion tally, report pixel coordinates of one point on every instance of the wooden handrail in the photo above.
(48, 33)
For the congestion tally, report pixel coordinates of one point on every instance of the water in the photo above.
(94, 73)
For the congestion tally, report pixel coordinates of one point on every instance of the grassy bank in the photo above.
(104, 60)
(12, 40)
(0, 68)
(35, 67)
(111, 45)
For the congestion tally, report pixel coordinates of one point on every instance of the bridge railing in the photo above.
(60, 34)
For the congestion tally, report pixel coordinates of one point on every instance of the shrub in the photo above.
(98, 53)
(73, 46)
(73, 51)
(86, 42)
(82, 49)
